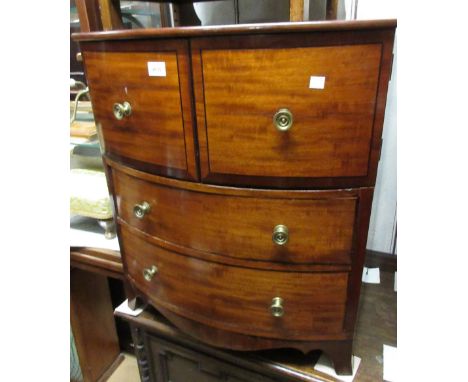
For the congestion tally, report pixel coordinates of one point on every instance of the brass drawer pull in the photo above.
(148, 273)
(283, 120)
(280, 234)
(276, 307)
(140, 210)
(122, 110)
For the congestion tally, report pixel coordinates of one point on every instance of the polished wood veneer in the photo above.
(158, 135)
(335, 139)
(206, 185)
(320, 223)
(373, 26)
(332, 128)
(238, 299)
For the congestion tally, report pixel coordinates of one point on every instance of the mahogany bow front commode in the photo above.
(242, 161)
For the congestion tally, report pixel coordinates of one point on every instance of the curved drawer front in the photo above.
(239, 299)
(319, 225)
(329, 95)
(154, 85)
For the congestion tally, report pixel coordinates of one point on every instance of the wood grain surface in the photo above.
(335, 139)
(332, 128)
(210, 121)
(231, 190)
(320, 228)
(92, 323)
(245, 29)
(158, 132)
(97, 260)
(238, 299)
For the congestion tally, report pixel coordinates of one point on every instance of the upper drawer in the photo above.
(154, 79)
(288, 113)
(300, 227)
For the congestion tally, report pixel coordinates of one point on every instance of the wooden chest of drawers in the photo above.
(242, 162)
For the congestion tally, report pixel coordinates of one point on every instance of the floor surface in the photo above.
(127, 371)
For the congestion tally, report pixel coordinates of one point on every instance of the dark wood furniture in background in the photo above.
(91, 311)
(166, 354)
(243, 194)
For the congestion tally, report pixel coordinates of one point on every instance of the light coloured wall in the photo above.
(223, 12)
(382, 230)
(216, 13)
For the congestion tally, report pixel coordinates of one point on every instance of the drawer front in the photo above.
(157, 135)
(238, 299)
(319, 225)
(331, 95)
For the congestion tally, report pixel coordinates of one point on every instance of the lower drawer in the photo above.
(258, 302)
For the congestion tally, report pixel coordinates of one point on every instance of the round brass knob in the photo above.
(276, 307)
(280, 234)
(283, 120)
(148, 273)
(122, 110)
(140, 210)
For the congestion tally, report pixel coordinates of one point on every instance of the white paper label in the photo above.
(325, 365)
(317, 82)
(157, 69)
(371, 275)
(390, 363)
(125, 309)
